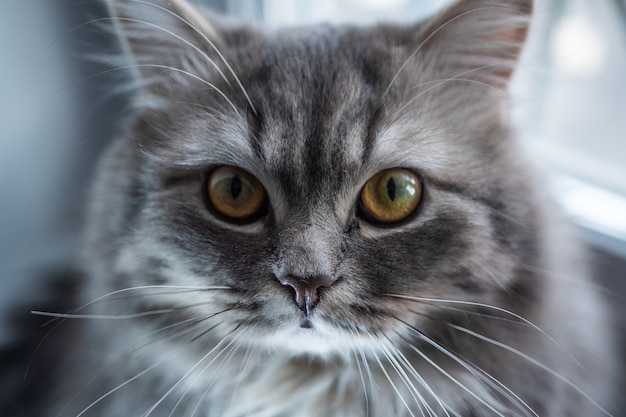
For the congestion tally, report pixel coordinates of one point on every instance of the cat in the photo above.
(328, 221)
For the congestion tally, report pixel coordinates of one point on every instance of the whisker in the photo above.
(193, 368)
(534, 362)
(194, 321)
(502, 310)
(142, 296)
(226, 358)
(192, 75)
(36, 350)
(205, 392)
(215, 48)
(366, 364)
(471, 313)
(204, 333)
(211, 110)
(246, 364)
(358, 364)
(417, 397)
(425, 41)
(439, 82)
(193, 324)
(199, 375)
(444, 406)
(164, 67)
(117, 316)
(455, 381)
(483, 305)
(155, 26)
(58, 316)
(497, 385)
(102, 316)
(185, 288)
(195, 29)
(143, 372)
(390, 380)
(120, 386)
(503, 389)
(169, 287)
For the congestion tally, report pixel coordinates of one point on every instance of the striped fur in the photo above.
(477, 305)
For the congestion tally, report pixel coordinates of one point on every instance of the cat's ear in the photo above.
(168, 41)
(478, 39)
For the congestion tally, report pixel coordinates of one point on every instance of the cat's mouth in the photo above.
(312, 340)
(305, 323)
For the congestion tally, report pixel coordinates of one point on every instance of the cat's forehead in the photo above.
(316, 111)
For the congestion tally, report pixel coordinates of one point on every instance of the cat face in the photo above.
(319, 188)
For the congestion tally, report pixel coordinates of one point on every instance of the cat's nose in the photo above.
(306, 290)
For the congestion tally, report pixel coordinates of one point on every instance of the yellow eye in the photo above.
(235, 194)
(391, 196)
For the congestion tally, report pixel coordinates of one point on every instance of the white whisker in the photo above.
(116, 316)
(184, 288)
(502, 310)
(445, 407)
(194, 322)
(534, 362)
(71, 314)
(455, 381)
(500, 387)
(169, 32)
(199, 375)
(212, 44)
(102, 316)
(246, 363)
(406, 107)
(194, 76)
(193, 368)
(211, 110)
(415, 394)
(164, 67)
(390, 380)
(128, 381)
(417, 397)
(149, 287)
(226, 358)
(482, 305)
(358, 364)
(424, 42)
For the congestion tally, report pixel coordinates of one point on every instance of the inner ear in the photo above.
(478, 39)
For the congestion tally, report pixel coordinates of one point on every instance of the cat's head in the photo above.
(326, 185)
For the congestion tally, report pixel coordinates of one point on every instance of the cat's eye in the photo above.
(236, 194)
(390, 196)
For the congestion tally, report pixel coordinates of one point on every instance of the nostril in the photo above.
(306, 290)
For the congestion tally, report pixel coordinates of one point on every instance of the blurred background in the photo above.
(58, 110)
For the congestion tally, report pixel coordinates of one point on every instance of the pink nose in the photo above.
(306, 290)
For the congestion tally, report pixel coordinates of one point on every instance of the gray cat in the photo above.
(329, 221)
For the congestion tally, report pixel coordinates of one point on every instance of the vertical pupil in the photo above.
(391, 189)
(235, 187)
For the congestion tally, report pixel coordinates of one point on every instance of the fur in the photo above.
(477, 305)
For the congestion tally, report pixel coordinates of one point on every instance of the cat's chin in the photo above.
(312, 339)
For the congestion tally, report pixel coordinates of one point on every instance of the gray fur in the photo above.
(478, 305)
